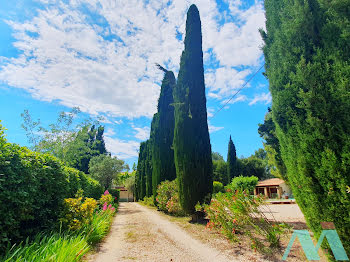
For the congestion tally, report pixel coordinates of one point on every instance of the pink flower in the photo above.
(113, 209)
(104, 206)
(106, 192)
(110, 206)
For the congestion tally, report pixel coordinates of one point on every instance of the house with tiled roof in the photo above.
(273, 188)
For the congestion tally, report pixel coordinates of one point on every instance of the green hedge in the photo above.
(115, 193)
(32, 189)
(242, 183)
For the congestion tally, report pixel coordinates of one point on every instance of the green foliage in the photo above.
(99, 226)
(220, 171)
(54, 247)
(242, 183)
(307, 58)
(162, 134)
(87, 143)
(130, 184)
(192, 149)
(253, 166)
(62, 140)
(115, 194)
(217, 187)
(232, 170)
(215, 156)
(71, 245)
(41, 183)
(148, 201)
(267, 131)
(76, 213)
(105, 169)
(168, 198)
(143, 179)
(236, 212)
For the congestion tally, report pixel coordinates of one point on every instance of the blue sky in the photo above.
(99, 55)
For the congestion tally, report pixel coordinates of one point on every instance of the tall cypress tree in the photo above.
(162, 134)
(192, 149)
(231, 161)
(307, 58)
(148, 168)
(140, 173)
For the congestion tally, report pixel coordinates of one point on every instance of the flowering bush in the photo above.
(106, 198)
(168, 197)
(238, 212)
(76, 213)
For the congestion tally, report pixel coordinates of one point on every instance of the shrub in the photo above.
(78, 213)
(217, 187)
(165, 191)
(243, 183)
(168, 197)
(115, 194)
(32, 189)
(238, 212)
(148, 201)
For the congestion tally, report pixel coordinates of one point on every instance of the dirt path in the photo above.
(141, 234)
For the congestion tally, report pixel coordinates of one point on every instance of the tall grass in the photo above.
(98, 228)
(70, 246)
(55, 248)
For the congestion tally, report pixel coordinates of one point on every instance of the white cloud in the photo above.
(263, 97)
(121, 148)
(108, 66)
(142, 133)
(213, 129)
(118, 122)
(109, 132)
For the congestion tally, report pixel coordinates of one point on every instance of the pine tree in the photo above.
(192, 149)
(307, 56)
(99, 144)
(231, 161)
(162, 134)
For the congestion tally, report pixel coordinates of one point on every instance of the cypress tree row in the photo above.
(148, 168)
(140, 181)
(307, 56)
(192, 149)
(231, 161)
(162, 134)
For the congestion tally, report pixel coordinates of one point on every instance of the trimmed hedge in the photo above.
(32, 189)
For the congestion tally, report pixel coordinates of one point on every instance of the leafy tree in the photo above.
(105, 169)
(87, 143)
(220, 171)
(74, 144)
(267, 131)
(231, 161)
(162, 134)
(216, 156)
(192, 149)
(253, 166)
(307, 56)
(130, 183)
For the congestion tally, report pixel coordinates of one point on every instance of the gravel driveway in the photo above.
(141, 234)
